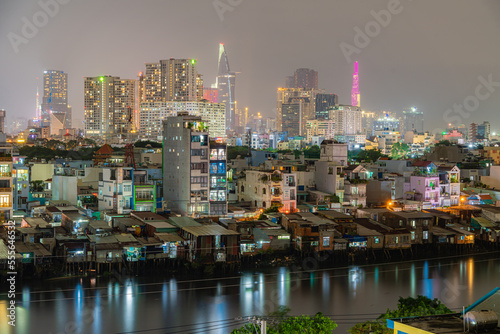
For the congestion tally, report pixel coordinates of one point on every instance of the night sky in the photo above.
(430, 54)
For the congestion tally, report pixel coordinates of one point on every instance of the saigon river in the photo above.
(146, 305)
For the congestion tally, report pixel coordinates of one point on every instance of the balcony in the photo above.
(5, 205)
(6, 190)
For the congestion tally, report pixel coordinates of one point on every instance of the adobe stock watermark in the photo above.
(223, 6)
(363, 38)
(451, 292)
(31, 27)
(483, 91)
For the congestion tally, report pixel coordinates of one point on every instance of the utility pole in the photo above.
(255, 321)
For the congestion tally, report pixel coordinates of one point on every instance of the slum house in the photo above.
(419, 223)
(173, 245)
(211, 243)
(394, 238)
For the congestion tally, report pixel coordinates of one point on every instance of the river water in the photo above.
(152, 306)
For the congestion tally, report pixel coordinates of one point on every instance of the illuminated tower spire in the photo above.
(225, 88)
(38, 112)
(355, 95)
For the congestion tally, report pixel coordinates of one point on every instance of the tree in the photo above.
(234, 151)
(145, 143)
(443, 143)
(375, 327)
(407, 307)
(71, 145)
(399, 150)
(369, 155)
(284, 324)
(37, 186)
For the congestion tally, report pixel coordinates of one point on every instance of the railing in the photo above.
(6, 174)
(5, 190)
(9, 159)
(5, 205)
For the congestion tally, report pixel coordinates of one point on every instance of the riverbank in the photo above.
(298, 260)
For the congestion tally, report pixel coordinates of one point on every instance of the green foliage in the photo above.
(274, 208)
(374, 327)
(283, 324)
(443, 143)
(369, 155)
(334, 199)
(144, 143)
(37, 186)
(407, 307)
(358, 181)
(399, 150)
(234, 151)
(42, 152)
(414, 307)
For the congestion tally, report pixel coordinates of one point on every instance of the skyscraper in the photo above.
(413, 120)
(347, 122)
(172, 80)
(226, 87)
(152, 115)
(324, 102)
(109, 105)
(305, 110)
(355, 94)
(3, 113)
(55, 95)
(305, 78)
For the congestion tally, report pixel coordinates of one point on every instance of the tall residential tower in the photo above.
(355, 94)
(109, 105)
(55, 95)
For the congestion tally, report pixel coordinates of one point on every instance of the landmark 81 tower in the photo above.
(355, 95)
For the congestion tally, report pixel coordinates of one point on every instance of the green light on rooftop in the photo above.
(101, 78)
(193, 61)
(444, 132)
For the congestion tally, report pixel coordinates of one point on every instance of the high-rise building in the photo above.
(413, 120)
(194, 168)
(291, 118)
(55, 95)
(483, 131)
(325, 102)
(210, 94)
(199, 87)
(152, 115)
(320, 127)
(226, 87)
(305, 78)
(355, 94)
(109, 106)
(172, 80)
(3, 113)
(347, 123)
(290, 81)
(386, 123)
(300, 107)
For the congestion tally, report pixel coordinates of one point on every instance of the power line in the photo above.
(273, 274)
(206, 324)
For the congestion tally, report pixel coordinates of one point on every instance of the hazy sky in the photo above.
(431, 53)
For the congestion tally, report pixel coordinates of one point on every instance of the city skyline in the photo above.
(394, 75)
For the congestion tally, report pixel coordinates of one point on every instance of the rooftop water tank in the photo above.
(480, 321)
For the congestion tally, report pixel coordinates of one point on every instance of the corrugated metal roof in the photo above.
(208, 230)
(169, 237)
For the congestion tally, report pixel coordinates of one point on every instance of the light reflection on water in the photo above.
(121, 307)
